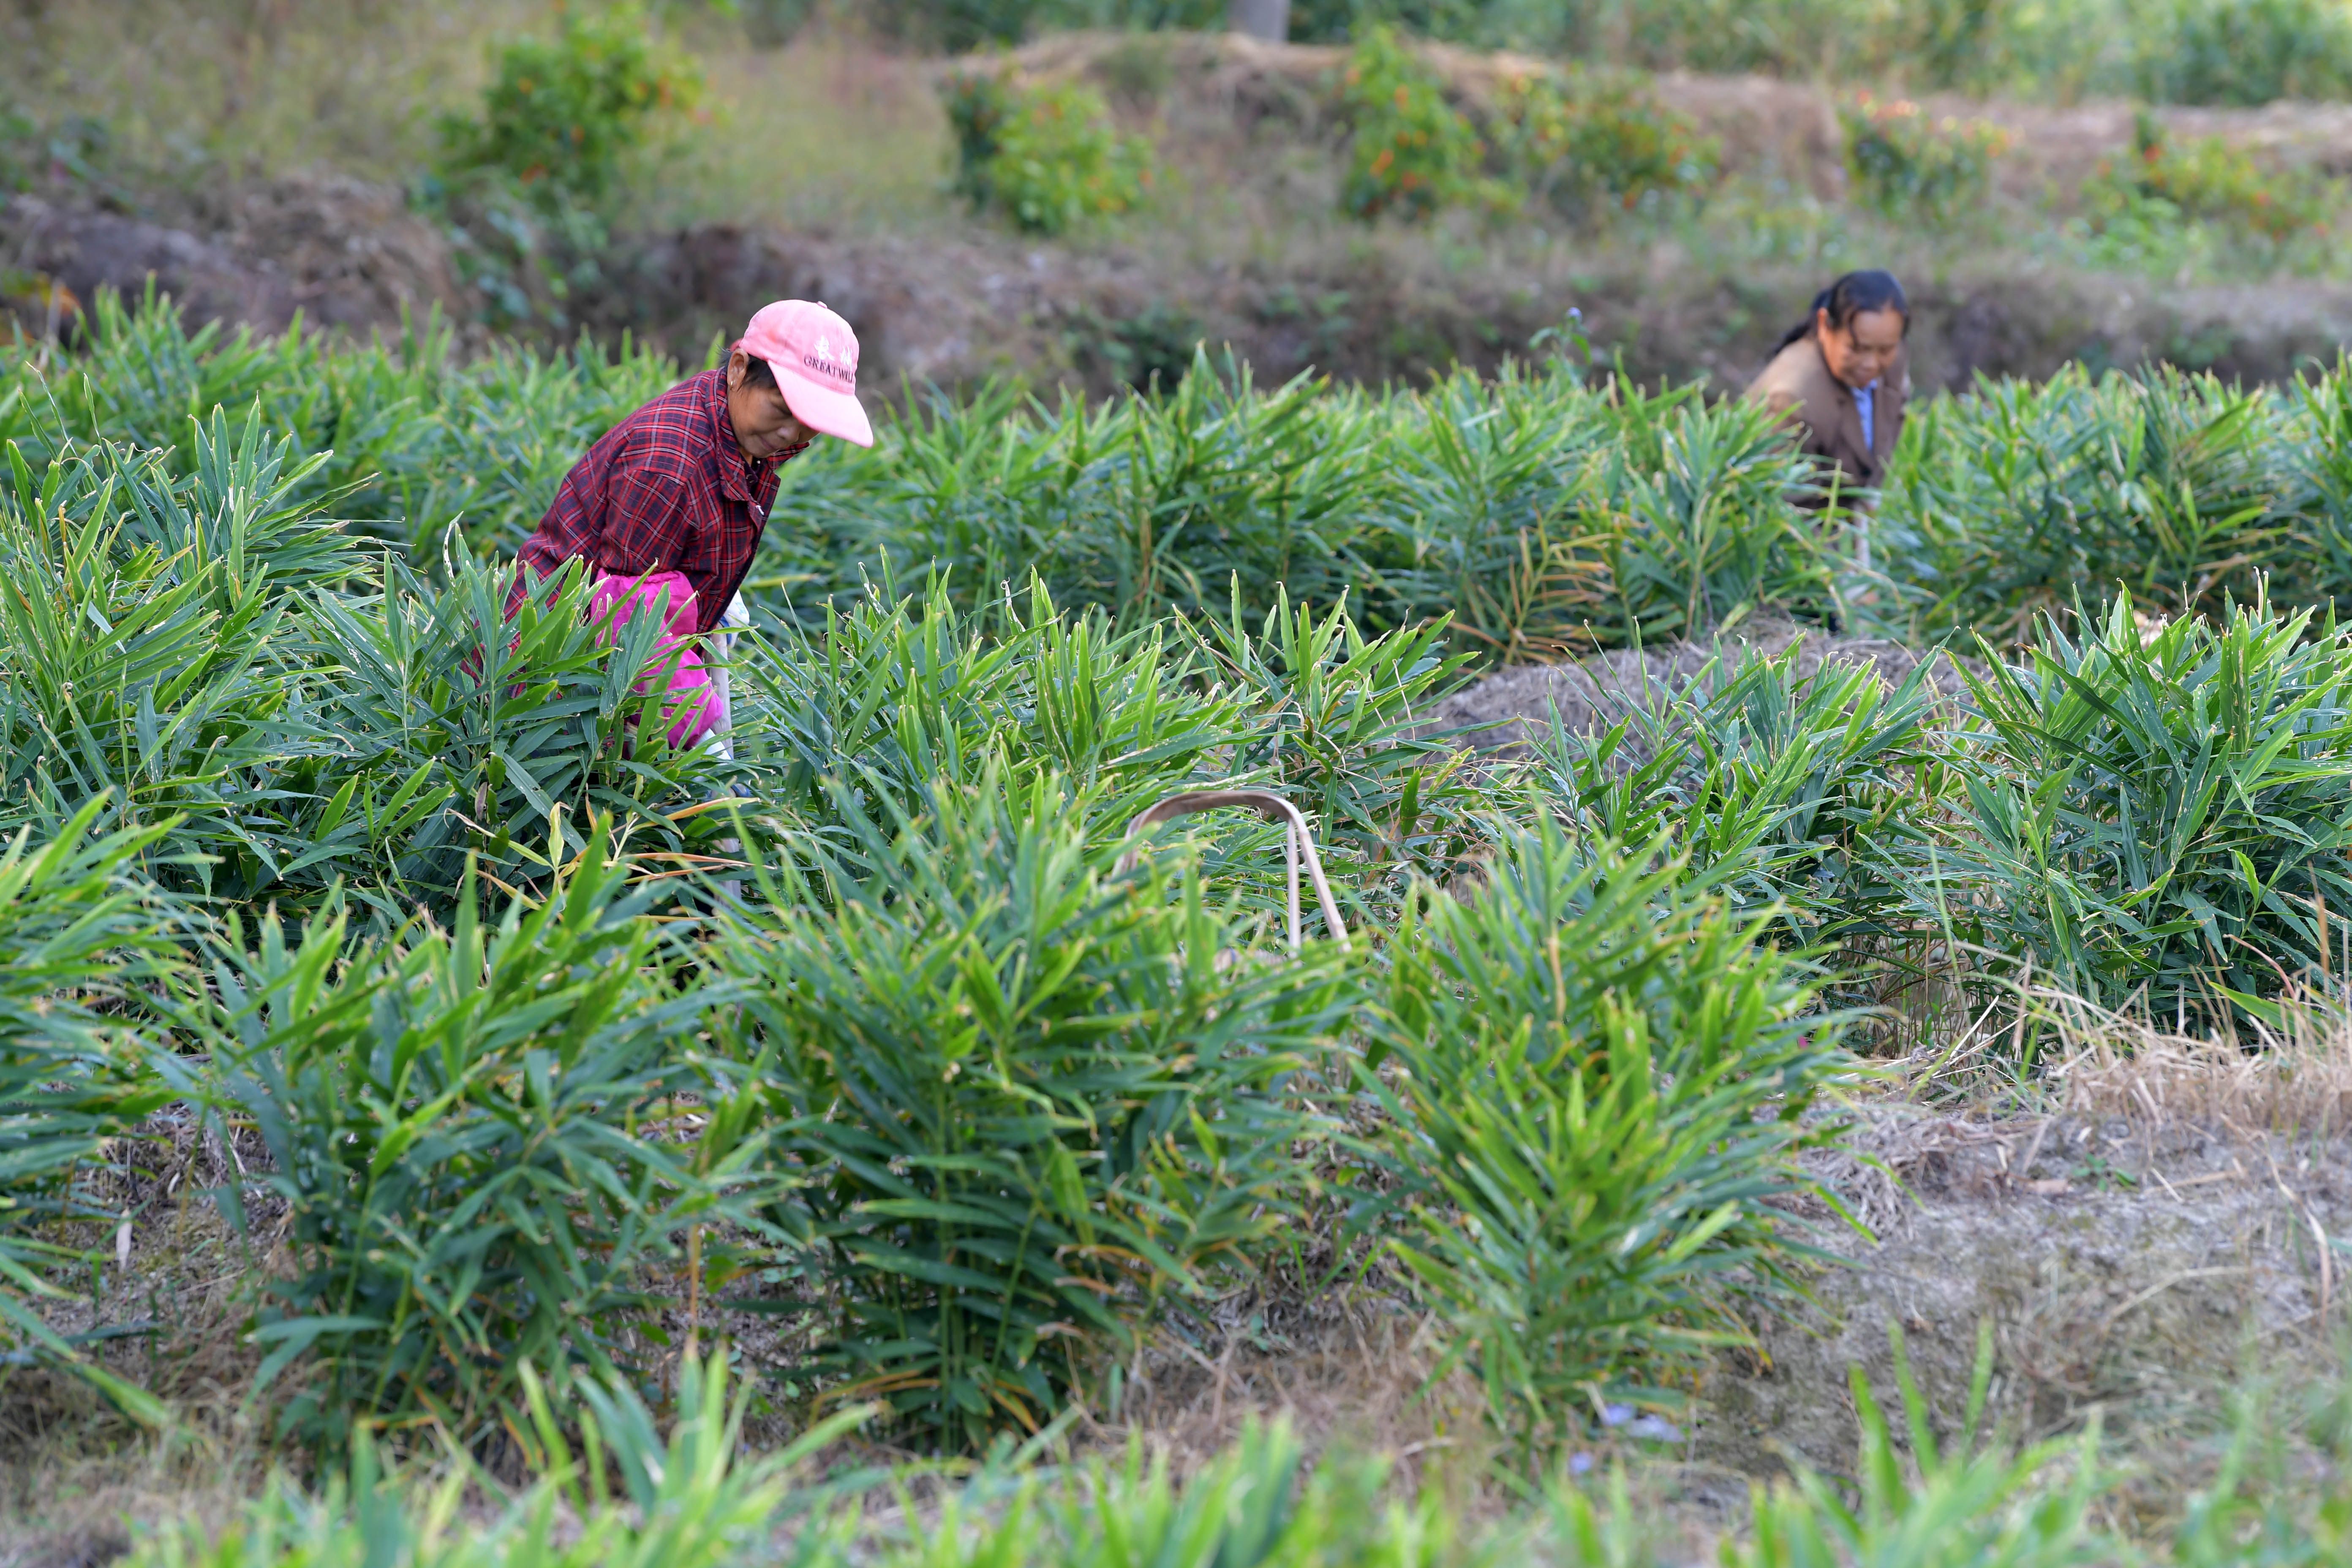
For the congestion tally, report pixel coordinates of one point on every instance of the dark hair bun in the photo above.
(1849, 297)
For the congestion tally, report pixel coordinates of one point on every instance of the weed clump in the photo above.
(1048, 158)
(2165, 182)
(1410, 153)
(530, 180)
(564, 113)
(1905, 165)
(1580, 141)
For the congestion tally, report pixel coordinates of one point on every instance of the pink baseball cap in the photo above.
(814, 356)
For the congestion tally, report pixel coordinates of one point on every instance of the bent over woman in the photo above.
(1841, 378)
(669, 505)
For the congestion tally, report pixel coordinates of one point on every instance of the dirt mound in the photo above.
(1513, 709)
(346, 255)
(1374, 308)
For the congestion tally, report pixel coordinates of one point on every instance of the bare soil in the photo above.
(345, 255)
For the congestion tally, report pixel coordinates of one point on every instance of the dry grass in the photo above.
(2146, 1224)
(827, 134)
(2294, 1081)
(258, 88)
(75, 1477)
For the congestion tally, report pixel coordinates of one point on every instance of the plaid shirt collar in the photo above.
(739, 476)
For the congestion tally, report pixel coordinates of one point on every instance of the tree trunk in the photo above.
(1259, 18)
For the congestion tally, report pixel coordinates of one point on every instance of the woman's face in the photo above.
(764, 424)
(1860, 353)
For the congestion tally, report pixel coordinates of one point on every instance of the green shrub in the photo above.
(143, 678)
(2316, 565)
(1032, 1100)
(563, 115)
(2204, 178)
(79, 934)
(527, 186)
(414, 437)
(1049, 158)
(1329, 718)
(483, 444)
(1137, 505)
(1578, 140)
(474, 1137)
(2015, 501)
(1411, 152)
(237, 507)
(896, 698)
(1800, 799)
(1697, 521)
(1604, 1082)
(1486, 521)
(2242, 51)
(2160, 819)
(690, 1500)
(1409, 502)
(462, 738)
(899, 698)
(168, 647)
(1905, 165)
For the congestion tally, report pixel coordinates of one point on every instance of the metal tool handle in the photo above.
(1274, 808)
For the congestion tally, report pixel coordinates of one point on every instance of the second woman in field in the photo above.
(1841, 378)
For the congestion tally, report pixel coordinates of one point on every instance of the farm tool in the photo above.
(1296, 843)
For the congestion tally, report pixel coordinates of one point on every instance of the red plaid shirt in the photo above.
(666, 489)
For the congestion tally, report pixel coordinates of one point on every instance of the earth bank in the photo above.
(1253, 152)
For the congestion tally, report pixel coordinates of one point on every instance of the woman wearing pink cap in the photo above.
(669, 505)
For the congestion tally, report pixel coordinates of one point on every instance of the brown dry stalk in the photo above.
(2116, 1066)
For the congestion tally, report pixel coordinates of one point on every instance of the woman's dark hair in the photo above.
(1849, 297)
(757, 374)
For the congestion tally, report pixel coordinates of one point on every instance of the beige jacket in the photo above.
(1798, 383)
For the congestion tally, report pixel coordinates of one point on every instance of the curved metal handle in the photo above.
(1274, 808)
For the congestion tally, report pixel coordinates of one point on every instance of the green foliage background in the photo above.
(2231, 52)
